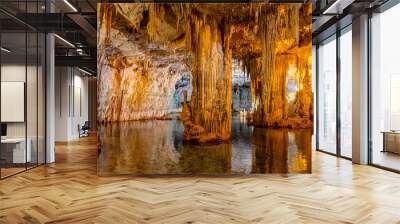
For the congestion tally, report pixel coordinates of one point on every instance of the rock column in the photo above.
(210, 105)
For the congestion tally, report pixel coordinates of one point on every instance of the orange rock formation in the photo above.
(145, 48)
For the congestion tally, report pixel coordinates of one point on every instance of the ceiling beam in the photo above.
(81, 61)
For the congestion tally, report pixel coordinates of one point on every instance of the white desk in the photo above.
(18, 149)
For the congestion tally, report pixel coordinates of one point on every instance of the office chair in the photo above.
(84, 130)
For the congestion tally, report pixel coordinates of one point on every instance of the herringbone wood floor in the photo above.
(69, 191)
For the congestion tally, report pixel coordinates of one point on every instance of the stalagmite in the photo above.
(210, 105)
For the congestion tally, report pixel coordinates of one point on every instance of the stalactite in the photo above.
(105, 13)
(281, 36)
(132, 13)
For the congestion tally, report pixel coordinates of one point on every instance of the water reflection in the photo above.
(157, 147)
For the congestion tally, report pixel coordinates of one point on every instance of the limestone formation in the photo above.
(144, 49)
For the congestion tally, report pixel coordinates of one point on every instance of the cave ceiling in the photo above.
(167, 25)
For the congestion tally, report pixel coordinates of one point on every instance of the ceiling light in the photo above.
(5, 50)
(84, 71)
(65, 41)
(70, 5)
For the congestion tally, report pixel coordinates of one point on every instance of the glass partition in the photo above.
(22, 88)
(385, 89)
(314, 90)
(13, 95)
(346, 93)
(327, 95)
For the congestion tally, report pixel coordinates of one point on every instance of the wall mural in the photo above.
(191, 88)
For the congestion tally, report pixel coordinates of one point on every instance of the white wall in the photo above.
(71, 102)
(80, 110)
(12, 73)
(62, 85)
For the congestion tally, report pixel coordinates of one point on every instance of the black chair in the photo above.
(84, 130)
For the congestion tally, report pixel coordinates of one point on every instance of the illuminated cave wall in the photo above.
(286, 46)
(145, 49)
(137, 79)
